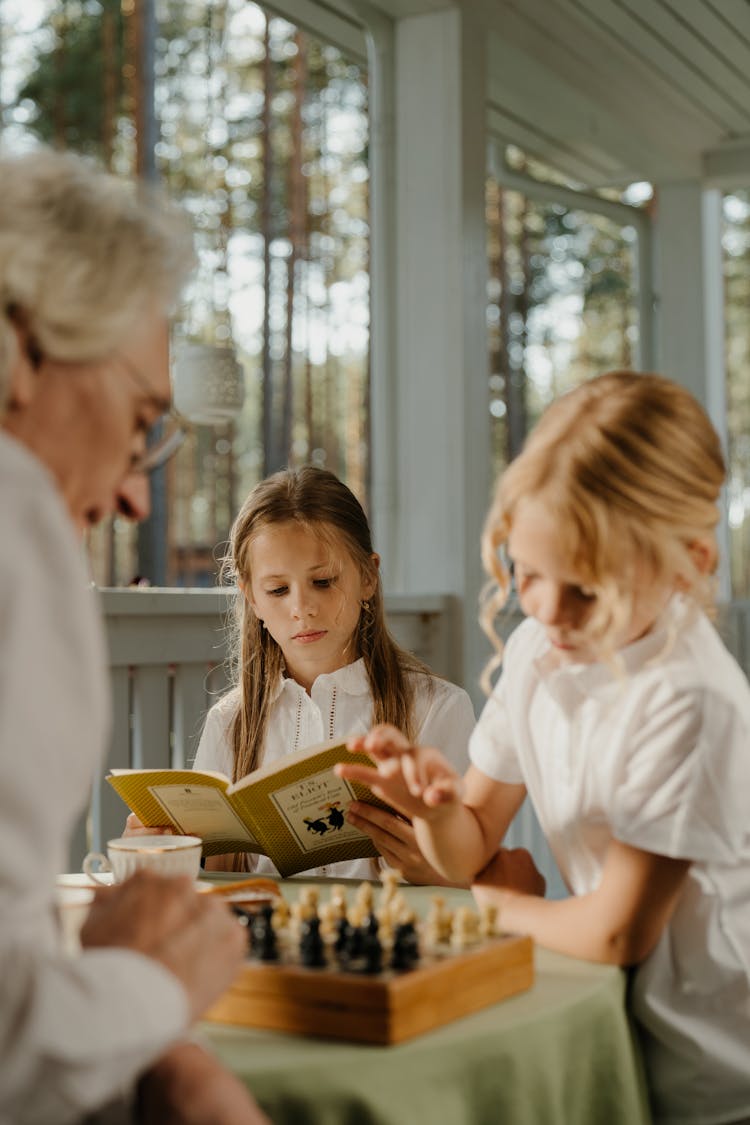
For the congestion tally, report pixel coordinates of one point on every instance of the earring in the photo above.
(365, 605)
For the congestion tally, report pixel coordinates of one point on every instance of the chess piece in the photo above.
(365, 897)
(311, 948)
(465, 930)
(328, 918)
(341, 940)
(405, 952)
(372, 949)
(281, 913)
(352, 950)
(438, 922)
(390, 879)
(338, 900)
(488, 918)
(263, 935)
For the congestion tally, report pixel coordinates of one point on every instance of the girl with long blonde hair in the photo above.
(626, 721)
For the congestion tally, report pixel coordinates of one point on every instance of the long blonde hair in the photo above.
(318, 501)
(631, 468)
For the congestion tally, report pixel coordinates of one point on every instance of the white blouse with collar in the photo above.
(339, 703)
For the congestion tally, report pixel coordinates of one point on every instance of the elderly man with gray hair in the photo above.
(89, 270)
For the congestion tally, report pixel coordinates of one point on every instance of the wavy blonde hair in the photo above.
(83, 255)
(631, 468)
(318, 501)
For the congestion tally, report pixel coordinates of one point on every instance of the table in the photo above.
(561, 1054)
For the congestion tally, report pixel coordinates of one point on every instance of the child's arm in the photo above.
(619, 923)
(458, 823)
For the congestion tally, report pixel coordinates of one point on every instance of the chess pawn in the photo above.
(405, 952)
(488, 916)
(372, 949)
(308, 902)
(390, 879)
(280, 916)
(386, 920)
(328, 918)
(357, 915)
(438, 922)
(465, 930)
(338, 900)
(311, 948)
(399, 905)
(365, 897)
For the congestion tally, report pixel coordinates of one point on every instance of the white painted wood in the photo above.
(690, 314)
(652, 47)
(444, 432)
(692, 59)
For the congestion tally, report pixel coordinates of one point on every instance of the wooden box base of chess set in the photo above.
(462, 967)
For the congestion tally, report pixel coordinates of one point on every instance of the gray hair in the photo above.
(82, 256)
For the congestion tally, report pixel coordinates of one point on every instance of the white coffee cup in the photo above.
(73, 904)
(166, 855)
(209, 383)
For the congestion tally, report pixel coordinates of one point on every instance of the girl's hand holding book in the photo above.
(135, 827)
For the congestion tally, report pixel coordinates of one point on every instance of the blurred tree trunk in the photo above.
(269, 451)
(297, 224)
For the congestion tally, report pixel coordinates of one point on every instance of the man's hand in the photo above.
(187, 1086)
(195, 936)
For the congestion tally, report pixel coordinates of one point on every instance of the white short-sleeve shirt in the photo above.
(339, 703)
(659, 758)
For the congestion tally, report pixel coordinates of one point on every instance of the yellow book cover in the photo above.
(293, 811)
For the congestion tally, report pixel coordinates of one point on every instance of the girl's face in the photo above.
(550, 590)
(308, 593)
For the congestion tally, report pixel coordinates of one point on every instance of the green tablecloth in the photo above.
(560, 1054)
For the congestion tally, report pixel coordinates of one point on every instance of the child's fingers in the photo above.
(383, 741)
(444, 791)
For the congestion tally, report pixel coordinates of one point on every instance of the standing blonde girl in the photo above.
(313, 656)
(627, 722)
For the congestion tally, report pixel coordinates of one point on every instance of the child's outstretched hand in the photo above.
(415, 780)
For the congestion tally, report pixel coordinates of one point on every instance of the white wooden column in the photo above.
(689, 285)
(436, 443)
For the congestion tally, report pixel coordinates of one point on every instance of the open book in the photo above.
(293, 811)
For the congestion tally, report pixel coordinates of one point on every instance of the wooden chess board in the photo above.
(387, 1007)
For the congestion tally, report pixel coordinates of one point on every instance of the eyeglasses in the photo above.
(166, 435)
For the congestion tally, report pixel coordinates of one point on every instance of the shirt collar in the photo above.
(352, 679)
(569, 684)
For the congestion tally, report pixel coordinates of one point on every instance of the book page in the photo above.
(314, 810)
(200, 810)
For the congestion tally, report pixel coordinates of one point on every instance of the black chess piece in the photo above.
(263, 936)
(405, 953)
(311, 948)
(372, 950)
(245, 918)
(352, 950)
(342, 937)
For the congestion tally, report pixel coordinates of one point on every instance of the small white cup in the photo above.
(167, 855)
(73, 904)
(209, 383)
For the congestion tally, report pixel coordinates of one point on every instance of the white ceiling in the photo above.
(620, 90)
(610, 91)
